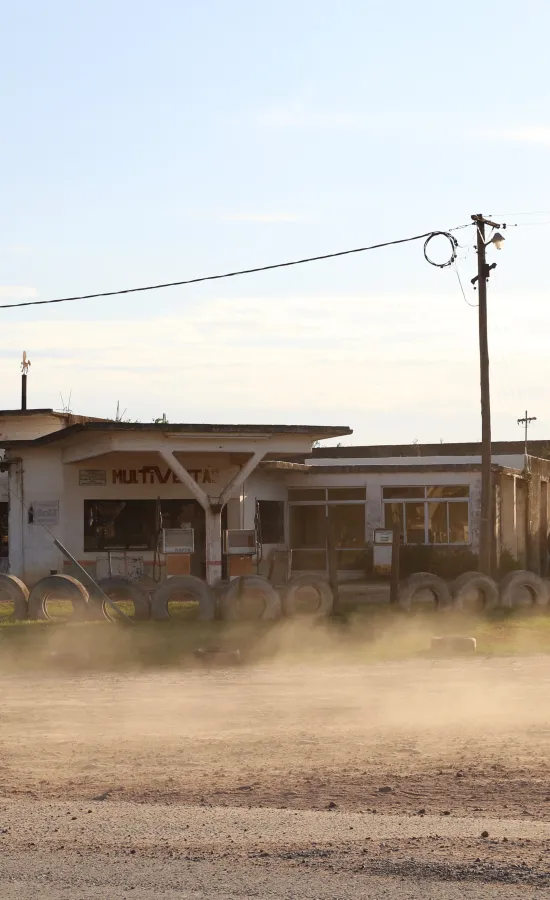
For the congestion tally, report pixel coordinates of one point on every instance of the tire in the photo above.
(66, 586)
(522, 579)
(292, 589)
(483, 583)
(189, 584)
(230, 605)
(125, 588)
(424, 581)
(18, 594)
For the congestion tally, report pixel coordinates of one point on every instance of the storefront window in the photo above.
(441, 519)
(135, 524)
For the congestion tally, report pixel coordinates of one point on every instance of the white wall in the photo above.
(25, 428)
(263, 486)
(37, 478)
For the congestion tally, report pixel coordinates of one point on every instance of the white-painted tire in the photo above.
(452, 644)
(469, 581)
(291, 591)
(67, 588)
(424, 581)
(230, 607)
(187, 584)
(17, 593)
(522, 579)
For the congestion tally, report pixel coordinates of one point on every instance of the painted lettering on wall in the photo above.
(155, 475)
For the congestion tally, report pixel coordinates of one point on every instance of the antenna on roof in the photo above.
(119, 414)
(66, 407)
(25, 363)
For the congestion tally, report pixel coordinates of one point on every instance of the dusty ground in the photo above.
(325, 781)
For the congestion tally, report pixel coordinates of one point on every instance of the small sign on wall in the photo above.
(92, 477)
(43, 512)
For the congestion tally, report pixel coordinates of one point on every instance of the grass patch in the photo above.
(371, 634)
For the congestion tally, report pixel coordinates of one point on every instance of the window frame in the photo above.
(425, 501)
(326, 503)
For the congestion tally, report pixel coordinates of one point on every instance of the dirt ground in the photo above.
(318, 781)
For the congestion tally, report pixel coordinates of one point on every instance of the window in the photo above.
(134, 524)
(347, 494)
(316, 514)
(307, 494)
(429, 515)
(271, 516)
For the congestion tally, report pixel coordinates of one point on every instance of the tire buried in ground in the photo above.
(237, 600)
(420, 582)
(453, 645)
(462, 586)
(62, 587)
(183, 584)
(515, 581)
(291, 596)
(121, 589)
(17, 593)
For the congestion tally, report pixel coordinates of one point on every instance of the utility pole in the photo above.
(483, 272)
(526, 421)
(25, 363)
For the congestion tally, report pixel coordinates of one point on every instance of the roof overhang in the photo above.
(92, 439)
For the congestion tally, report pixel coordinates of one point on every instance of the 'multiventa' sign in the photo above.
(154, 475)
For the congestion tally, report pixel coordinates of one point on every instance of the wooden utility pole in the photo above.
(483, 271)
(527, 419)
(25, 363)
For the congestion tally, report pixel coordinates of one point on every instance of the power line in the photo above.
(526, 224)
(473, 305)
(296, 262)
(543, 212)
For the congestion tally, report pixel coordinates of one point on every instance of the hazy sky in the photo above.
(146, 142)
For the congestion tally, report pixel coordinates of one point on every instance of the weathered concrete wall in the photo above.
(22, 428)
(36, 478)
(508, 535)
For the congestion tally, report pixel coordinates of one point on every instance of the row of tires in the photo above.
(517, 586)
(227, 601)
(231, 601)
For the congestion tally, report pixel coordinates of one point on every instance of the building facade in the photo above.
(105, 490)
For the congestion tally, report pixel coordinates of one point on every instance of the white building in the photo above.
(102, 488)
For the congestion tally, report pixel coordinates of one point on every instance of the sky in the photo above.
(146, 143)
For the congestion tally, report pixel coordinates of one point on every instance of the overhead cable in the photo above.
(296, 262)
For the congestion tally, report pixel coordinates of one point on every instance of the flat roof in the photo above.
(293, 467)
(31, 412)
(375, 451)
(69, 416)
(84, 428)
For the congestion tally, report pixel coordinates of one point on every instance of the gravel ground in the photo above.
(417, 780)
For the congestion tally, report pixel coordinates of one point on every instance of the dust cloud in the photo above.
(315, 713)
